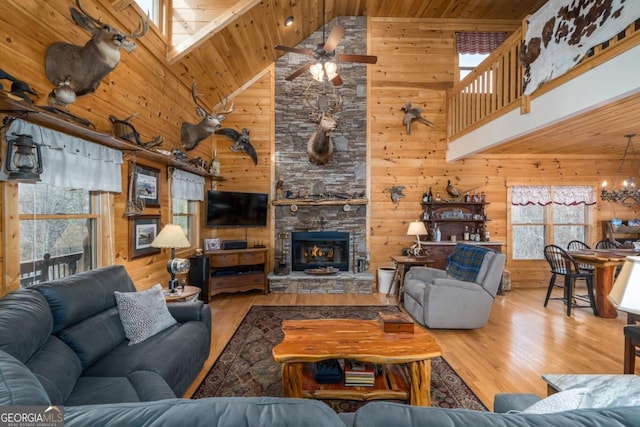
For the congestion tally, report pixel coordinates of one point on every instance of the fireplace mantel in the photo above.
(319, 202)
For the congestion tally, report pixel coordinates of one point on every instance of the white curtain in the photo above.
(71, 162)
(562, 195)
(187, 185)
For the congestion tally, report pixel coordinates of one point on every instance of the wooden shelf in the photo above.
(319, 202)
(35, 115)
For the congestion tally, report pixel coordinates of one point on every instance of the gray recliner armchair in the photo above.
(459, 297)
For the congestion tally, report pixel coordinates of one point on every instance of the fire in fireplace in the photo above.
(316, 249)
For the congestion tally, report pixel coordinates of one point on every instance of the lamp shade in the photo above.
(416, 228)
(625, 294)
(171, 236)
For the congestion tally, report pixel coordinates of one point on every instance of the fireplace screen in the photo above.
(319, 249)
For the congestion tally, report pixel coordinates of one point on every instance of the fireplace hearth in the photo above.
(316, 249)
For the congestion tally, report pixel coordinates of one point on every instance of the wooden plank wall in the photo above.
(412, 53)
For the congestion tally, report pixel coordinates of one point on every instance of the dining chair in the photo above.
(579, 245)
(606, 244)
(563, 264)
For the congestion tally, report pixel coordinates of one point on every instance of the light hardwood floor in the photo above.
(521, 341)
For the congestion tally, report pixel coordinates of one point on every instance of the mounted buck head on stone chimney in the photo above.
(320, 144)
(192, 134)
(84, 67)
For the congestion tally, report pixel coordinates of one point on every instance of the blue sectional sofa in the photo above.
(68, 333)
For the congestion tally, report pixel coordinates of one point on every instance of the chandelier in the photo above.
(628, 194)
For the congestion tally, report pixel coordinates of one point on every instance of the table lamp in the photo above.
(173, 237)
(625, 294)
(417, 228)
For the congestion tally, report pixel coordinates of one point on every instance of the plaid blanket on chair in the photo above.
(465, 262)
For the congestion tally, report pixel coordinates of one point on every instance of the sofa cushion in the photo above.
(18, 385)
(563, 401)
(216, 411)
(57, 368)
(25, 323)
(141, 386)
(466, 261)
(143, 314)
(75, 298)
(95, 336)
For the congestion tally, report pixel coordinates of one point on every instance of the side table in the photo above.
(404, 263)
(189, 293)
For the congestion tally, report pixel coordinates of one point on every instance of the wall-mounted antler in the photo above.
(192, 134)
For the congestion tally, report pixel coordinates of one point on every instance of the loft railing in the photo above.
(494, 87)
(48, 268)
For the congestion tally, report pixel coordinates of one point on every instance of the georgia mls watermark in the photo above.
(31, 416)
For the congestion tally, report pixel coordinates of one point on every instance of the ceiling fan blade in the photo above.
(337, 80)
(362, 59)
(336, 34)
(298, 72)
(307, 52)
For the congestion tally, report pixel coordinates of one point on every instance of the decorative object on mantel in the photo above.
(453, 191)
(280, 187)
(412, 114)
(417, 228)
(241, 142)
(192, 134)
(629, 194)
(18, 87)
(85, 66)
(23, 163)
(396, 192)
(561, 32)
(125, 130)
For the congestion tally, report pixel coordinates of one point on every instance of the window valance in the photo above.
(479, 42)
(561, 195)
(71, 162)
(187, 186)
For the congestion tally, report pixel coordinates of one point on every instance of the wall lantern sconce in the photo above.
(24, 159)
(289, 21)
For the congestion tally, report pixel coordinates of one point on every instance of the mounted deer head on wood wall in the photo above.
(85, 66)
(191, 134)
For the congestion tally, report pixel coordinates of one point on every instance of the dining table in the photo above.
(605, 262)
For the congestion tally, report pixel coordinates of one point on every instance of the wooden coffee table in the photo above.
(405, 356)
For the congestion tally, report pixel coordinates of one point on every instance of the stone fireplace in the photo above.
(312, 200)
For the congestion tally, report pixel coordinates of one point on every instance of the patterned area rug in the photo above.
(246, 368)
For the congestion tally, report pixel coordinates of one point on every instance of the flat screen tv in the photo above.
(236, 209)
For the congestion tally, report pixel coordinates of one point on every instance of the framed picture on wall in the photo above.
(147, 185)
(212, 244)
(142, 231)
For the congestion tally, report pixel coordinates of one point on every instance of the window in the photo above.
(544, 215)
(58, 232)
(468, 61)
(474, 47)
(155, 10)
(184, 215)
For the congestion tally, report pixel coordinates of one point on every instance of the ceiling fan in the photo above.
(324, 54)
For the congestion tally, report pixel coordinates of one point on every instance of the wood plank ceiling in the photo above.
(228, 48)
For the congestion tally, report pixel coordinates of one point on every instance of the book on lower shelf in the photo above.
(359, 373)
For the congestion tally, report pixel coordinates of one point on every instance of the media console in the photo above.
(233, 270)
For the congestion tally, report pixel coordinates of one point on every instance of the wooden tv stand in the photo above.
(237, 270)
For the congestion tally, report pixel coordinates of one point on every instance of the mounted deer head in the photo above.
(320, 144)
(192, 134)
(85, 66)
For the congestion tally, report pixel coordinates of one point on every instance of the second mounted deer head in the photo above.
(191, 134)
(84, 67)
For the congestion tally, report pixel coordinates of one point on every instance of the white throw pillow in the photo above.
(143, 314)
(566, 400)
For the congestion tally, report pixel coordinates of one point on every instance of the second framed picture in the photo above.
(142, 231)
(148, 185)
(212, 244)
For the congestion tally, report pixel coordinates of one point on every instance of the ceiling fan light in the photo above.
(317, 71)
(331, 68)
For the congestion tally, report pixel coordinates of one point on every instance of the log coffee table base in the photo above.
(405, 356)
